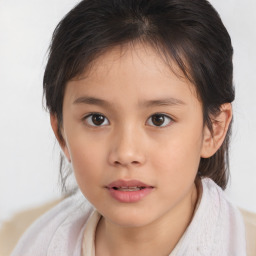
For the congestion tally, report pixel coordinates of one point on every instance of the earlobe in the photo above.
(58, 135)
(212, 141)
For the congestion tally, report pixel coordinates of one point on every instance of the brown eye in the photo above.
(159, 120)
(96, 120)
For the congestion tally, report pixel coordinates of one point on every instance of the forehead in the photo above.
(136, 67)
(130, 54)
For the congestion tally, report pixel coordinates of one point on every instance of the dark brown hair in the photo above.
(188, 33)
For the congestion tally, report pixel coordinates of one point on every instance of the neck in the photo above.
(152, 239)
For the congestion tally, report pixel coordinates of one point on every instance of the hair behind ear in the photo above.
(56, 128)
(216, 166)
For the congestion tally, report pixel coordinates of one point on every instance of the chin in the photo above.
(129, 218)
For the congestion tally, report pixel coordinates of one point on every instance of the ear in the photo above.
(220, 124)
(59, 136)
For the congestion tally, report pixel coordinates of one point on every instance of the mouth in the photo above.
(128, 188)
(129, 191)
(128, 185)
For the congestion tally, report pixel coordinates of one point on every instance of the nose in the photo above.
(127, 148)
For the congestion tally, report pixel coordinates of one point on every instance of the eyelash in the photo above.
(148, 122)
(86, 118)
(165, 117)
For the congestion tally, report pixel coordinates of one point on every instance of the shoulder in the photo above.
(229, 226)
(217, 227)
(58, 231)
(217, 198)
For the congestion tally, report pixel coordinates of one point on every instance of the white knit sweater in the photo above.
(217, 229)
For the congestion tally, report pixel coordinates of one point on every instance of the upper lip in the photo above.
(128, 183)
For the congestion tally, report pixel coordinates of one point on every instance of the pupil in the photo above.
(98, 119)
(158, 120)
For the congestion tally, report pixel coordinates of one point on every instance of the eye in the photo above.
(96, 120)
(159, 120)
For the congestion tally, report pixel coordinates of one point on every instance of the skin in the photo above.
(135, 84)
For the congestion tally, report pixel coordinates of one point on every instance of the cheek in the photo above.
(178, 160)
(176, 170)
(86, 161)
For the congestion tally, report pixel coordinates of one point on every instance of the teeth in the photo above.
(128, 188)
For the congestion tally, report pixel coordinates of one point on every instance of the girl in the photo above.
(139, 94)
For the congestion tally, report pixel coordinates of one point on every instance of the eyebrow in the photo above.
(163, 102)
(149, 103)
(91, 101)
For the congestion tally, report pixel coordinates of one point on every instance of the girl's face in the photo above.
(134, 134)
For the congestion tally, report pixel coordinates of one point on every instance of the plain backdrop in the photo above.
(28, 152)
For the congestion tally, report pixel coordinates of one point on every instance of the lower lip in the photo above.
(129, 196)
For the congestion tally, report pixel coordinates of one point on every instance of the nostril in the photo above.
(124, 156)
(132, 162)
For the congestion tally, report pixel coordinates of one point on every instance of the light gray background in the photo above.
(28, 152)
